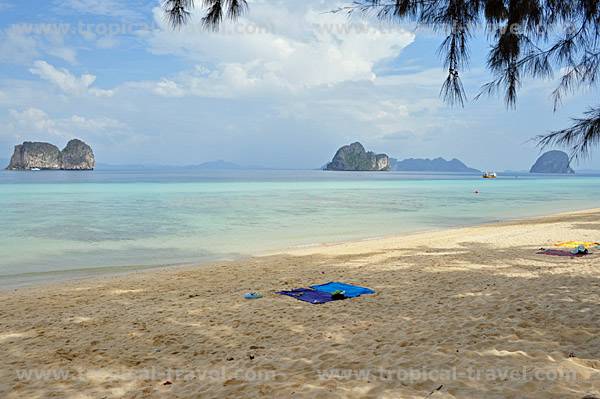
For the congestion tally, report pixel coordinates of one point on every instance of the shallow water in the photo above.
(64, 224)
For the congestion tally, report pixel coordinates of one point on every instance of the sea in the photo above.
(58, 225)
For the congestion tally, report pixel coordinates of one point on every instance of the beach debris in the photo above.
(253, 295)
(572, 354)
(434, 391)
(338, 294)
(229, 359)
(591, 397)
(167, 383)
(581, 249)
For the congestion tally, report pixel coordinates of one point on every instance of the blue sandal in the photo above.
(253, 295)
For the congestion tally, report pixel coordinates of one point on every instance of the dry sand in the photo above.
(474, 312)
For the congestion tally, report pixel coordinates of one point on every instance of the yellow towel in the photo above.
(575, 244)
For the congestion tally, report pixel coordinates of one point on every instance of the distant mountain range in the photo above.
(212, 165)
(431, 165)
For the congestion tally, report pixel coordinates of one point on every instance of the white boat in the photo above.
(489, 175)
(35, 169)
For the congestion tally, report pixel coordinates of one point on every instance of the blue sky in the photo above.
(285, 87)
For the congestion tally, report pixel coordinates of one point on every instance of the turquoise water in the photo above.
(65, 224)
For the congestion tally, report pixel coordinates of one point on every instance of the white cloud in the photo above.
(21, 43)
(109, 8)
(168, 88)
(302, 48)
(111, 20)
(107, 42)
(17, 46)
(104, 42)
(68, 82)
(34, 120)
(64, 53)
(5, 5)
(229, 81)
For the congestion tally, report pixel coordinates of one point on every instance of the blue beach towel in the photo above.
(308, 295)
(350, 291)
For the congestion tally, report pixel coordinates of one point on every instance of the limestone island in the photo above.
(553, 162)
(354, 157)
(77, 155)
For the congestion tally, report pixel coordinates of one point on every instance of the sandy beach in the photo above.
(464, 313)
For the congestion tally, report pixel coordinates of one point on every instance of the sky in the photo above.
(284, 87)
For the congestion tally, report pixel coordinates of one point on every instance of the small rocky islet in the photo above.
(553, 162)
(77, 155)
(354, 157)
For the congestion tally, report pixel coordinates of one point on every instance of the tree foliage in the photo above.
(529, 39)
(178, 11)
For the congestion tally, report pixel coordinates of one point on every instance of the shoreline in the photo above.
(475, 299)
(107, 272)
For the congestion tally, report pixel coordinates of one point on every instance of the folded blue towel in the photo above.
(308, 295)
(350, 291)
